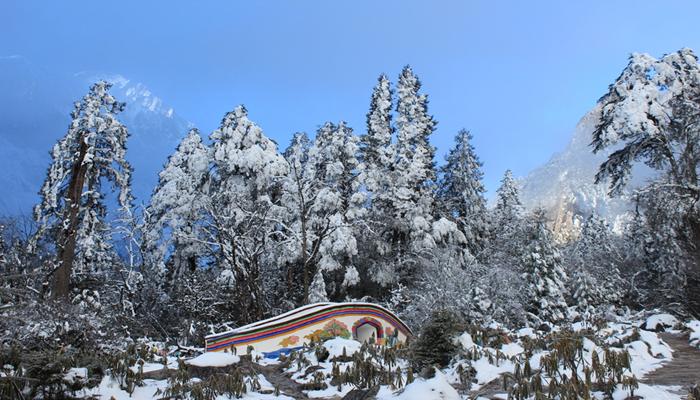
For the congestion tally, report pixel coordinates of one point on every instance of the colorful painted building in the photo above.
(289, 331)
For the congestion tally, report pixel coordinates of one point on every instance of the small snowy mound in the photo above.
(214, 359)
(465, 340)
(436, 388)
(694, 327)
(335, 347)
(75, 375)
(526, 332)
(511, 349)
(659, 322)
(648, 353)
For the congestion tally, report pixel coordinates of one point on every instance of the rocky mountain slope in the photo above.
(565, 187)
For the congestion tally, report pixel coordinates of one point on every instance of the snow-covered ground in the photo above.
(694, 327)
(487, 362)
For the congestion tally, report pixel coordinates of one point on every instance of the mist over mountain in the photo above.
(35, 106)
(565, 188)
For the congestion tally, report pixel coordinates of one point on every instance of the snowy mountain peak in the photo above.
(35, 111)
(133, 93)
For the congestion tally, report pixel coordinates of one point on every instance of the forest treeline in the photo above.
(238, 229)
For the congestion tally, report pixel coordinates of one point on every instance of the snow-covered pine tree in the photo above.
(585, 294)
(509, 209)
(414, 126)
(298, 195)
(72, 212)
(243, 208)
(172, 240)
(651, 114)
(338, 205)
(317, 291)
(410, 213)
(595, 253)
(543, 273)
(323, 200)
(377, 174)
(656, 254)
(462, 192)
(376, 151)
(506, 224)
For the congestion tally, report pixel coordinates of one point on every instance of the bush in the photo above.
(435, 344)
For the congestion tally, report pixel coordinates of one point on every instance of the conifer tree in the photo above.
(594, 253)
(377, 175)
(298, 195)
(506, 239)
(375, 146)
(436, 345)
(339, 202)
(462, 192)
(508, 210)
(174, 215)
(243, 207)
(324, 202)
(409, 215)
(543, 273)
(585, 294)
(317, 291)
(72, 213)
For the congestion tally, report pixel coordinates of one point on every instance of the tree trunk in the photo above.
(304, 257)
(61, 282)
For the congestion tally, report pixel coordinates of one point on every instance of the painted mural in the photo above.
(332, 329)
(289, 341)
(313, 323)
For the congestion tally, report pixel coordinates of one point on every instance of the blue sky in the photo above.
(518, 74)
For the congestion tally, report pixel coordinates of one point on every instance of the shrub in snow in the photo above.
(565, 373)
(435, 345)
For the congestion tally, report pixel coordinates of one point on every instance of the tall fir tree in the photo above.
(339, 203)
(462, 192)
(508, 208)
(595, 254)
(173, 241)
(506, 226)
(243, 208)
(299, 193)
(375, 146)
(409, 215)
(544, 275)
(73, 210)
(584, 293)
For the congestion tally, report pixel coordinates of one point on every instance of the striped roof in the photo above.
(298, 319)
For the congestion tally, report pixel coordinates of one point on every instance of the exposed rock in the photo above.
(362, 394)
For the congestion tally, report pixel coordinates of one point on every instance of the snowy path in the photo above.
(684, 368)
(275, 375)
